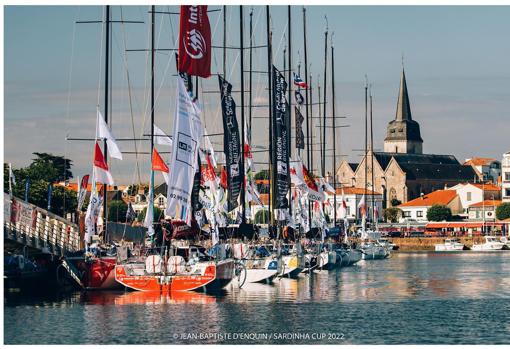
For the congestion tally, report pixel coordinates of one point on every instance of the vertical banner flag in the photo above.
(188, 132)
(82, 191)
(27, 189)
(50, 193)
(300, 136)
(93, 210)
(103, 132)
(280, 140)
(195, 41)
(231, 143)
(148, 222)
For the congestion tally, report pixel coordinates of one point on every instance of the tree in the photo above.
(395, 202)
(503, 211)
(46, 169)
(117, 210)
(52, 168)
(392, 214)
(158, 214)
(439, 213)
(264, 174)
(262, 217)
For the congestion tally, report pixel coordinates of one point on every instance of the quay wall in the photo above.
(428, 243)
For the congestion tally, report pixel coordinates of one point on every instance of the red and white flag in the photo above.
(159, 165)
(195, 41)
(101, 171)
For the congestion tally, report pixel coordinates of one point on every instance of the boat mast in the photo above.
(151, 189)
(289, 100)
(372, 159)
(270, 84)
(224, 41)
(307, 94)
(366, 136)
(250, 96)
(324, 103)
(106, 100)
(243, 182)
(334, 126)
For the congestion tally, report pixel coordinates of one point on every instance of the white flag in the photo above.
(188, 132)
(11, 175)
(104, 132)
(161, 137)
(149, 213)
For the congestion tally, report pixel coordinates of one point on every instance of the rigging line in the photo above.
(69, 83)
(126, 66)
(100, 60)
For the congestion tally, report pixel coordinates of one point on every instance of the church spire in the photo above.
(403, 106)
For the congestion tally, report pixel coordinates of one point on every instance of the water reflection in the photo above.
(405, 276)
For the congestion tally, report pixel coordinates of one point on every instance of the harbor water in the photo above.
(410, 298)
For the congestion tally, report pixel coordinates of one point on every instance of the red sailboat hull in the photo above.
(214, 277)
(97, 273)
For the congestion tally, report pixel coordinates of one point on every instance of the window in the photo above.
(507, 192)
(419, 213)
(161, 201)
(477, 214)
(348, 211)
(468, 196)
(507, 176)
(407, 213)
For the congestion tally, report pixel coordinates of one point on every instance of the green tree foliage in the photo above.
(262, 217)
(438, 213)
(392, 214)
(264, 174)
(117, 210)
(158, 214)
(44, 169)
(503, 211)
(395, 202)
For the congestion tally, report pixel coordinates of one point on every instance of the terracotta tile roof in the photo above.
(357, 191)
(74, 186)
(479, 161)
(487, 186)
(438, 197)
(487, 203)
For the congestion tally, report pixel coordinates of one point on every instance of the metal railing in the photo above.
(35, 227)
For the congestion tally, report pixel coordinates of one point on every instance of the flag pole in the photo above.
(243, 182)
(106, 100)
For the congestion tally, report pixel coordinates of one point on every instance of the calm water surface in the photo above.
(417, 298)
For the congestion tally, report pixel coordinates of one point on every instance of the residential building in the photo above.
(505, 177)
(416, 209)
(352, 197)
(487, 169)
(484, 210)
(471, 193)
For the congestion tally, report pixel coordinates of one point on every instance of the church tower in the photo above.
(403, 133)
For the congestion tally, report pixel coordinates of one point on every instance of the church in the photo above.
(402, 171)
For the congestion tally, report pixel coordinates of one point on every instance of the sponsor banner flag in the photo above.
(82, 191)
(188, 132)
(27, 188)
(195, 41)
(300, 136)
(231, 144)
(280, 148)
(103, 132)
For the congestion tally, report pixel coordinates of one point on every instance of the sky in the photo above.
(455, 59)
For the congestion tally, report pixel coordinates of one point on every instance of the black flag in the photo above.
(231, 143)
(300, 136)
(299, 97)
(280, 141)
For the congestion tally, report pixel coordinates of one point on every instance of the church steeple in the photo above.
(403, 133)
(403, 106)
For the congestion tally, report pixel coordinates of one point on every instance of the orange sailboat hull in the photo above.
(215, 276)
